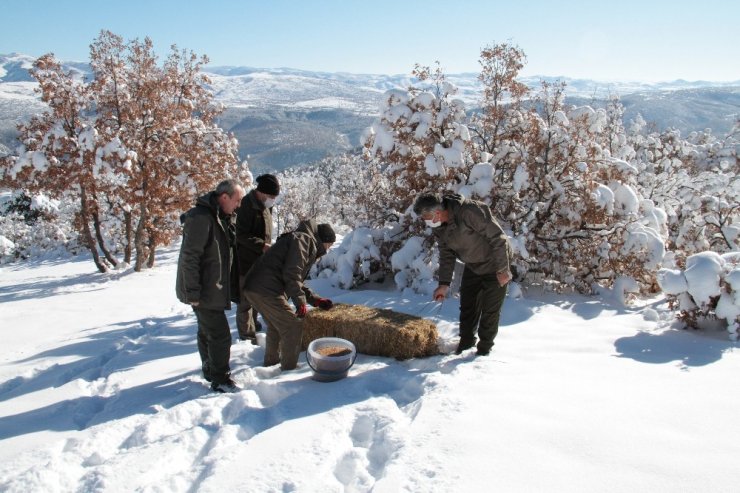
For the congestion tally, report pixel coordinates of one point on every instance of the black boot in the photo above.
(206, 372)
(464, 344)
(228, 386)
(484, 349)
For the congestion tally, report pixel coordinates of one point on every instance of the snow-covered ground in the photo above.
(100, 391)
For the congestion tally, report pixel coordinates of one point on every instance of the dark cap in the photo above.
(326, 233)
(268, 184)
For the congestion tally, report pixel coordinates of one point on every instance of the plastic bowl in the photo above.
(330, 358)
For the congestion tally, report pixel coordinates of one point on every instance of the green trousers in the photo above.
(214, 343)
(284, 329)
(481, 299)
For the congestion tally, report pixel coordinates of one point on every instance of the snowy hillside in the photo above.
(100, 391)
(14, 67)
(248, 87)
(286, 117)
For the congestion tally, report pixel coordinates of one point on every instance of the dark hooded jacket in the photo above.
(253, 230)
(283, 268)
(206, 268)
(473, 236)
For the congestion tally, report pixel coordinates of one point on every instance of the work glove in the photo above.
(301, 311)
(324, 303)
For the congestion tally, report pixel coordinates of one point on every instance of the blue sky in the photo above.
(619, 40)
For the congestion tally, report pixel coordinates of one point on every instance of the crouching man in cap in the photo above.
(277, 277)
(253, 238)
(206, 277)
(466, 230)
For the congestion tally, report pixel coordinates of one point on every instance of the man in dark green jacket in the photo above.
(253, 238)
(466, 230)
(207, 278)
(277, 278)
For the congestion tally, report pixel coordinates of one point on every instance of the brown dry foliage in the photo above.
(160, 118)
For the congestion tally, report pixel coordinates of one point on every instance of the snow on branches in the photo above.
(421, 138)
(588, 201)
(132, 148)
(708, 289)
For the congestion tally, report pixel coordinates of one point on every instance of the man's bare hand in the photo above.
(503, 277)
(440, 293)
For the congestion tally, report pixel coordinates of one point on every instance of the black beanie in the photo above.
(326, 233)
(268, 184)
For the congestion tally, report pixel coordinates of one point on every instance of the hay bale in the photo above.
(373, 331)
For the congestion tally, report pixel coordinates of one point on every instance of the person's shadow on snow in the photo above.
(86, 411)
(103, 353)
(404, 383)
(688, 347)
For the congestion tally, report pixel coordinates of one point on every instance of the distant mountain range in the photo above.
(285, 117)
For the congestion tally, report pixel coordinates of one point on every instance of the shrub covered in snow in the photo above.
(558, 181)
(342, 190)
(34, 226)
(708, 289)
(415, 264)
(362, 256)
(695, 181)
(588, 203)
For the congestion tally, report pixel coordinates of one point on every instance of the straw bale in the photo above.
(373, 331)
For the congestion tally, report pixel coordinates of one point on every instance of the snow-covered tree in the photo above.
(499, 129)
(419, 143)
(695, 180)
(571, 206)
(57, 153)
(552, 176)
(133, 147)
(495, 135)
(421, 138)
(163, 117)
(341, 190)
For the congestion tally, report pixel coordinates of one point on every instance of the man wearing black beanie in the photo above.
(253, 238)
(326, 233)
(268, 184)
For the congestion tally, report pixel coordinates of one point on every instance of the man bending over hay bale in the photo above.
(466, 230)
(277, 277)
(374, 331)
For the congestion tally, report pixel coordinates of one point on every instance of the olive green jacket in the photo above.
(472, 235)
(282, 269)
(205, 268)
